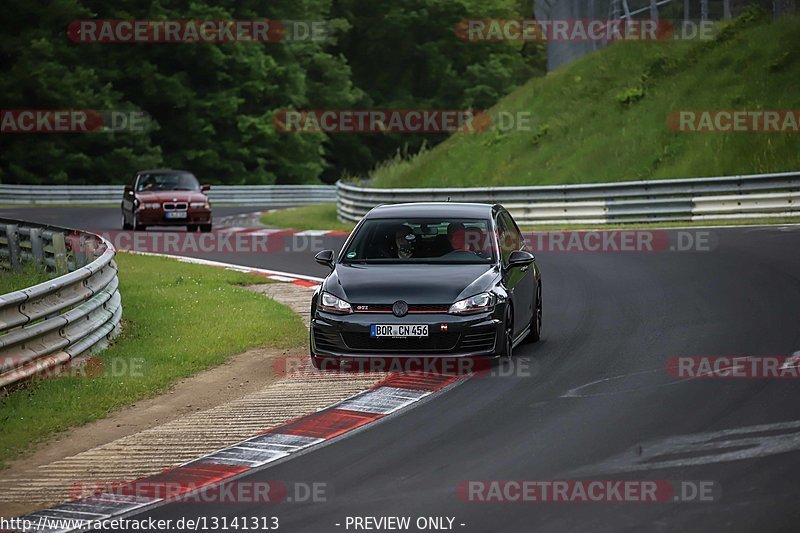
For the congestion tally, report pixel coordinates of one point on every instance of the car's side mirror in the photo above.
(520, 258)
(325, 257)
(128, 189)
(205, 188)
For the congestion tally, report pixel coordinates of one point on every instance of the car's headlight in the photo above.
(332, 304)
(199, 204)
(474, 304)
(151, 205)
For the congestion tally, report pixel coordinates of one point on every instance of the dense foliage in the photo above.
(212, 105)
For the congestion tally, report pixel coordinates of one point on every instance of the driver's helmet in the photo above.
(404, 240)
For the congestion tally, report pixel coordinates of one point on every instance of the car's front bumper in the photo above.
(158, 217)
(449, 336)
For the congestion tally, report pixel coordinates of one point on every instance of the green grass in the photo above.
(318, 216)
(604, 118)
(29, 275)
(179, 319)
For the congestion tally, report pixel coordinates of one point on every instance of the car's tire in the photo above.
(508, 335)
(535, 333)
(125, 225)
(205, 228)
(191, 227)
(136, 225)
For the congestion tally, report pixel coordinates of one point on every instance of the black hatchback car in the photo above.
(427, 280)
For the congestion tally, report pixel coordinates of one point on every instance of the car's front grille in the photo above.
(437, 342)
(179, 206)
(478, 342)
(412, 308)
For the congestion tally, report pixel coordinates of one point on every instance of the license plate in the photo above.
(398, 330)
(176, 214)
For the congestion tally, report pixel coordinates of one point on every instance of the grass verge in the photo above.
(604, 118)
(317, 216)
(179, 319)
(29, 275)
(283, 219)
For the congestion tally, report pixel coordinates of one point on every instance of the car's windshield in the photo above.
(167, 182)
(422, 240)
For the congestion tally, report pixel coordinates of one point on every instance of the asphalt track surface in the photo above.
(592, 400)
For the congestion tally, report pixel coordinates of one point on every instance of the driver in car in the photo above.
(465, 241)
(456, 236)
(149, 184)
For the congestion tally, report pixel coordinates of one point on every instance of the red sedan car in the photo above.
(166, 198)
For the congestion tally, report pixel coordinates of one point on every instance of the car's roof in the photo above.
(163, 171)
(426, 209)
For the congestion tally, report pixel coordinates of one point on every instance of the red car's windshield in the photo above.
(167, 182)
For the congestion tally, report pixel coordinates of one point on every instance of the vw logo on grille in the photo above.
(400, 308)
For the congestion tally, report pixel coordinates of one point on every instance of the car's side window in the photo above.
(519, 240)
(506, 239)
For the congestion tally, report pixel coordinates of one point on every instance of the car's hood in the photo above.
(171, 196)
(415, 284)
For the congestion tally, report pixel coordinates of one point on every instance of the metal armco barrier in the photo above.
(48, 325)
(255, 195)
(729, 197)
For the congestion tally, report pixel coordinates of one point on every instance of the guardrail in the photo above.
(255, 195)
(675, 200)
(62, 320)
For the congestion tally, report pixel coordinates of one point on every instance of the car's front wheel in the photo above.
(191, 228)
(125, 225)
(536, 320)
(205, 228)
(508, 335)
